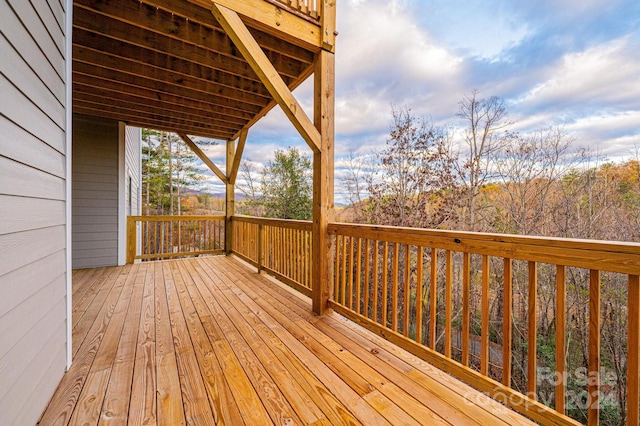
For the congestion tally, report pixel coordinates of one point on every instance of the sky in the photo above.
(569, 63)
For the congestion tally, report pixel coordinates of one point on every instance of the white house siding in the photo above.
(33, 276)
(95, 191)
(133, 171)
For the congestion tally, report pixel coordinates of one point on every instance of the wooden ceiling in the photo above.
(168, 65)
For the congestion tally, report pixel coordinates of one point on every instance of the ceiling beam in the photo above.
(162, 87)
(146, 122)
(200, 112)
(140, 24)
(141, 110)
(245, 42)
(206, 160)
(241, 76)
(89, 83)
(156, 116)
(108, 61)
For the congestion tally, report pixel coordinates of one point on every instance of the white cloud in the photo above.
(385, 57)
(613, 135)
(608, 73)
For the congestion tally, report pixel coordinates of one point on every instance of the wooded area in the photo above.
(498, 181)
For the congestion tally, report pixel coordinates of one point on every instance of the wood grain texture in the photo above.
(233, 347)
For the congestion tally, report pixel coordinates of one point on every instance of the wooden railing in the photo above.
(163, 237)
(305, 7)
(281, 248)
(421, 289)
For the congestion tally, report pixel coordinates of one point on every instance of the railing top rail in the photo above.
(175, 218)
(623, 257)
(304, 225)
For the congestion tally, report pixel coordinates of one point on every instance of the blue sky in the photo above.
(574, 63)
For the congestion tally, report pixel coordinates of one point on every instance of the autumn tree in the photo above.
(414, 181)
(529, 167)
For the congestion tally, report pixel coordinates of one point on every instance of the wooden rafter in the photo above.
(169, 65)
(206, 160)
(215, 104)
(252, 52)
(162, 29)
(104, 51)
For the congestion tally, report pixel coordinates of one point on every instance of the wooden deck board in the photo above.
(208, 341)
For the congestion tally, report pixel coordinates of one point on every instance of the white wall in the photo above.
(33, 195)
(133, 171)
(130, 199)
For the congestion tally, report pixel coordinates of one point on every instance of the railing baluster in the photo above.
(394, 287)
(466, 306)
(407, 290)
(336, 269)
(351, 268)
(484, 335)
(448, 303)
(533, 331)
(419, 265)
(358, 274)
(301, 256)
(367, 268)
(593, 386)
(376, 246)
(385, 283)
(561, 326)
(433, 327)
(633, 349)
(343, 281)
(506, 322)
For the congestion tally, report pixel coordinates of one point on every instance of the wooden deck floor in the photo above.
(208, 341)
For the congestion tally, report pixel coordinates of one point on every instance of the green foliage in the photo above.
(168, 168)
(286, 186)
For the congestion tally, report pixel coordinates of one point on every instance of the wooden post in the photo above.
(260, 244)
(131, 239)
(593, 387)
(633, 349)
(324, 76)
(328, 21)
(230, 200)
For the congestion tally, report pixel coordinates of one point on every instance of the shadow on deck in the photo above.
(208, 341)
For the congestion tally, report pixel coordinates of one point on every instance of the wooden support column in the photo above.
(230, 199)
(324, 98)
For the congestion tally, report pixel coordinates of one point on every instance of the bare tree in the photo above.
(248, 185)
(529, 168)
(414, 182)
(485, 135)
(354, 183)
